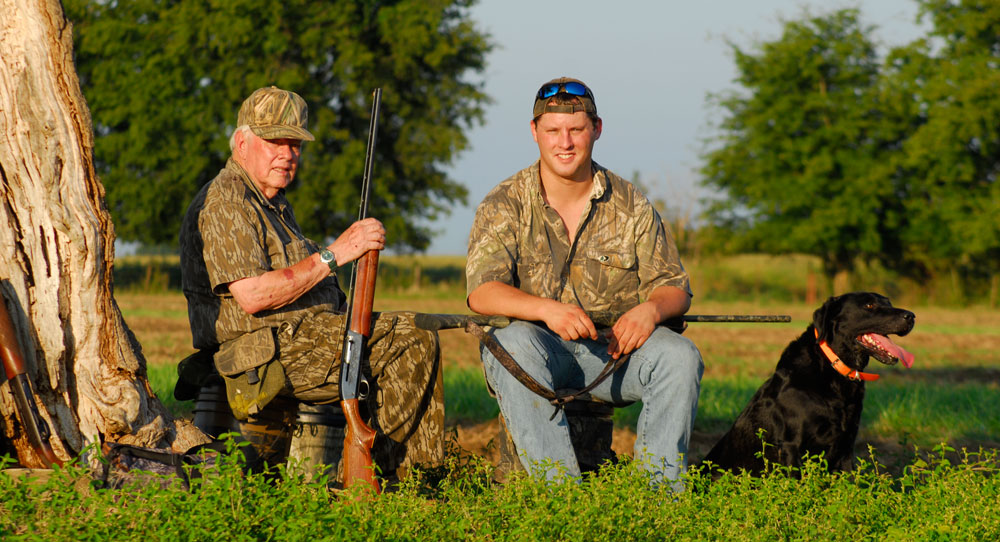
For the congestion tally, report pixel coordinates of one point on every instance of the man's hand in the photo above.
(569, 321)
(359, 238)
(632, 329)
(635, 326)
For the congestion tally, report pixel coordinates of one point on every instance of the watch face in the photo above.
(326, 256)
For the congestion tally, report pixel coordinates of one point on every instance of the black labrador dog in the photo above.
(812, 403)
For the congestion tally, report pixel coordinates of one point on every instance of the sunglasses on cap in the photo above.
(572, 88)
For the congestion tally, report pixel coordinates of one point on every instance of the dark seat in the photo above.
(285, 428)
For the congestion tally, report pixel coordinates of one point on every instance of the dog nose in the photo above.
(909, 317)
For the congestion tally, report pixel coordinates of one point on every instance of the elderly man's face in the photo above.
(271, 163)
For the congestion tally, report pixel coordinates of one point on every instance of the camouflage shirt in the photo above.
(230, 232)
(622, 250)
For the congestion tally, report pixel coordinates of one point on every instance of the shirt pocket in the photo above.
(612, 276)
(536, 274)
(245, 352)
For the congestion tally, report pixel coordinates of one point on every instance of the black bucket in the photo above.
(211, 411)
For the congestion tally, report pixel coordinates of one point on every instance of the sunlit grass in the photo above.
(951, 393)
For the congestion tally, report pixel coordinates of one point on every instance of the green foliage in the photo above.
(833, 152)
(951, 158)
(467, 397)
(797, 149)
(940, 496)
(164, 81)
(163, 377)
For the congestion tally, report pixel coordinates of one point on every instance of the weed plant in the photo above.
(934, 499)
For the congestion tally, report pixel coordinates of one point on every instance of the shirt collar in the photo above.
(598, 175)
(278, 202)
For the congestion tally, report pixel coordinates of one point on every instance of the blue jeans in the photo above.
(665, 374)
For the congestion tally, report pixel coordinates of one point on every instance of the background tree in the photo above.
(798, 149)
(952, 157)
(164, 80)
(830, 152)
(56, 253)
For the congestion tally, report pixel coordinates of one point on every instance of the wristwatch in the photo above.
(326, 256)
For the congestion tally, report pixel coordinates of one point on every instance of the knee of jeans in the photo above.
(526, 345)
(522, 339)
(681, 356)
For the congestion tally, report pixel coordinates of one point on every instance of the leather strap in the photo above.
(556, 399)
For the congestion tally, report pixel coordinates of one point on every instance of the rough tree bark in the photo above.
(57, 251)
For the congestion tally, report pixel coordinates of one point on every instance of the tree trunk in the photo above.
(57, 251)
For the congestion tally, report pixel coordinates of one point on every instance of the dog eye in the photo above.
(871, 306)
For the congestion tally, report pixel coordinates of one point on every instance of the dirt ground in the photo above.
(480, 439)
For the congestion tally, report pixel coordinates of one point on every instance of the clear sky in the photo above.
(651, 65)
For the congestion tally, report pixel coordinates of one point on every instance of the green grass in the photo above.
(466, 397)
(926, 412)
(162, 378)
(936, 499)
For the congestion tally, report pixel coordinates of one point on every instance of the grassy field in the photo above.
(952, 393)
(928, 462)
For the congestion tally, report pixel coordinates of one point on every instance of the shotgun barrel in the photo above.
(435, 322)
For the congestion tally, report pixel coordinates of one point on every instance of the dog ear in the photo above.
(822, 316)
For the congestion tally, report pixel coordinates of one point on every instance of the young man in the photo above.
(558, 242)
(268, 299)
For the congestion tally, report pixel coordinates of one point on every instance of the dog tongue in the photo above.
(893, 349)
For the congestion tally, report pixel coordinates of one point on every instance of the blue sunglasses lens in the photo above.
(575, 89)
(548, 91)
(571, 88)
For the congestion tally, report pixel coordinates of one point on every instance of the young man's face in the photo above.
(565, 144)
(271, 163)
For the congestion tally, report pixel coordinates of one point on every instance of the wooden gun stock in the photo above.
(35, 427)
(358, 442)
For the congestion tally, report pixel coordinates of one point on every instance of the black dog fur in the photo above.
(806, 407)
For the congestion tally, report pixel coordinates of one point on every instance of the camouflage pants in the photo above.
(403, 366)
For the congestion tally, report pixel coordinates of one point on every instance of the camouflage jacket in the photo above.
(231, 231)
(622, 250)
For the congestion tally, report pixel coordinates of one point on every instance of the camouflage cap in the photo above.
(567, 86)
(273, 113)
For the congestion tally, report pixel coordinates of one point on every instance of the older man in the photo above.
(558, 242)
(268, 299)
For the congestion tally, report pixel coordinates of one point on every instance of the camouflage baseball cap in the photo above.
(273, 113)
(568, 86)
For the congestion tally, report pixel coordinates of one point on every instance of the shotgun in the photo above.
(16, 370)
(435, 322)
(358, 436)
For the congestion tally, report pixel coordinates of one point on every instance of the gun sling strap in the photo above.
(556, 399)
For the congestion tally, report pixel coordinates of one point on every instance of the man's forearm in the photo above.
(669, 302)
(277, 288)
(497, 298)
